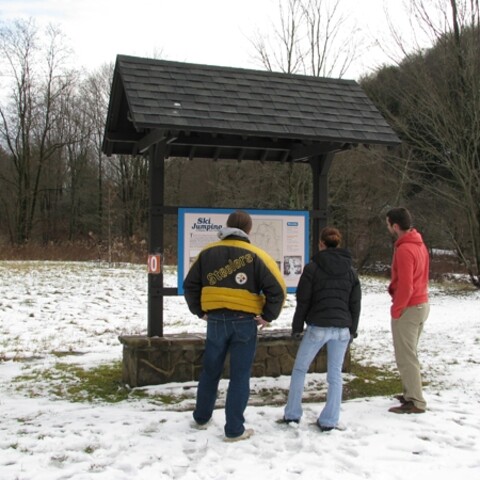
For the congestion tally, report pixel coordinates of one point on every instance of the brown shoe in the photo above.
(407, 407)
(400, 398)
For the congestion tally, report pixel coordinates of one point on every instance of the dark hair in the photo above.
(331, 237)
(240, 219)
(401, 216)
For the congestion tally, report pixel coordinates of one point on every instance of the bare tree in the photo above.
(79, 166)
(95, 91)
(127, 176)
(433, 100)
(35, 64)
(312, 37)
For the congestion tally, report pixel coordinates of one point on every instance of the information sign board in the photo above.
(281, 233)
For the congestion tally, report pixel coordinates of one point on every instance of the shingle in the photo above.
(220, 98)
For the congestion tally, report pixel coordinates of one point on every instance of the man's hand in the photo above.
(297, 335)
(261, 322)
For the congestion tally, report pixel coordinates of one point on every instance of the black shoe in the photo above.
(325, 429)
(287, 421)
(401, 399)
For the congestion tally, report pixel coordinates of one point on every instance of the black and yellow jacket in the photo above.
(235, 275)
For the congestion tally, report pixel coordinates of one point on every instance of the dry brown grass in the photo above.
(76, 251)
(136, 252)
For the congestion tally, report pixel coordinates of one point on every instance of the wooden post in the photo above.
(320, 166)
(155, 245)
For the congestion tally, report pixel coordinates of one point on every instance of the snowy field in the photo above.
(76, 311)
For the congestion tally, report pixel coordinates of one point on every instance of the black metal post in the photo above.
(155, 245)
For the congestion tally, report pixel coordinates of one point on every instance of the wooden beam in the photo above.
(122, 137)
(241, 154)
(216, 155)
(305, 152)
(153, 137)
(320, 166)
(156, 236)
(191, 153)
(237, 142)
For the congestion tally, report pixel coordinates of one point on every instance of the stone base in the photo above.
(178, 358)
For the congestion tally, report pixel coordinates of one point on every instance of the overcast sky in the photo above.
(215, 32)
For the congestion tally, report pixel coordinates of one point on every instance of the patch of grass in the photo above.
(361, 382)
(167, 399)
(59, 353)
(454, 287)
(76, 384)
(370, 381)
(100, 383)
(104, 384)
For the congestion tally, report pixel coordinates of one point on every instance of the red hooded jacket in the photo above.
(410, 271)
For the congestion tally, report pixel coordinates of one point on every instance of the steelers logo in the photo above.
(241, 278)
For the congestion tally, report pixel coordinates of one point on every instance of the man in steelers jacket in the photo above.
(234, 286)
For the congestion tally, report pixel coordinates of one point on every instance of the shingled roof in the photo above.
(222, 112)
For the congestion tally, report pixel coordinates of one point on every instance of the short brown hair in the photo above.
(331, 237)
(401, 216)
(240, 219)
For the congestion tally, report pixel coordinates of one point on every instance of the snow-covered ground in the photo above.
(76, 311)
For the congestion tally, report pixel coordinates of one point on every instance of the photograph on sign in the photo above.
(283, 234)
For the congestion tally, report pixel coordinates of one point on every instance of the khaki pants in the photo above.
(406, 333)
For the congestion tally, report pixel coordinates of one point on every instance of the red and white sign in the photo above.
(155, 264)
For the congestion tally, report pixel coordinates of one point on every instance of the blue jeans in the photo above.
(313, 340)
(235, 333)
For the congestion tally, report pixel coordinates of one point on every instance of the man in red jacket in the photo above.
(409, 311)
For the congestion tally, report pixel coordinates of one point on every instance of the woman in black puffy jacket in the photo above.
(328, 302)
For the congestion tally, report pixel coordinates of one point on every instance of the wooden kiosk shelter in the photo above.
(169, 109)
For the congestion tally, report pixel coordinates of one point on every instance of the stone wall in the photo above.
(178, 358)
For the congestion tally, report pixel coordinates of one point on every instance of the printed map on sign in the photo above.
(268, 235)
(282, 234)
